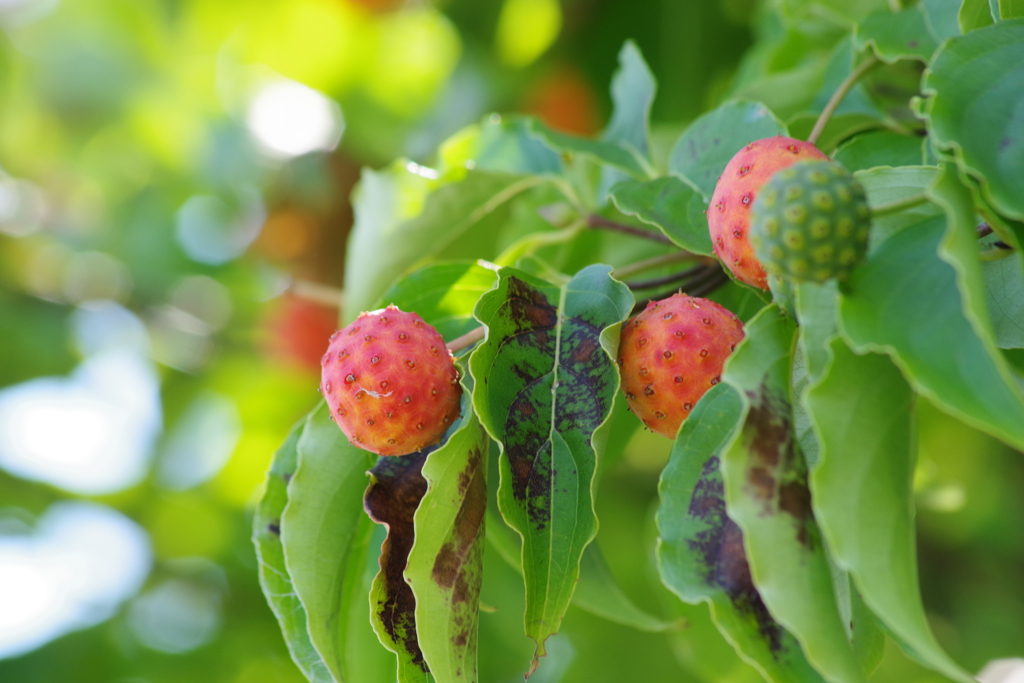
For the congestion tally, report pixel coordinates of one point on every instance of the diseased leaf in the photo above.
(545, 383)
(403, 215)
(445, 565)
(700, 551)
(712, 140)
(669, 204)
(904, 300)
(396, 488)
(767, 496)
(863, 417)
(976, 108)
(274, 578)
(326, 538)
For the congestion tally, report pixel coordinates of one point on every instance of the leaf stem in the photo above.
(468, 339)
(837, 97)
(899, 205)
(653, 262)
(595, 221)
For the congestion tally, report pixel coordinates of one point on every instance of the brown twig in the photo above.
(595, 221)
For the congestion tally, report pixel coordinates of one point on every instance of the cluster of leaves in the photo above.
(786, 504)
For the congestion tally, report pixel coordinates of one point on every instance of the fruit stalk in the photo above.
(837, 97)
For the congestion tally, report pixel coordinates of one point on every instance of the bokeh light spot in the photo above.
(288, 119)
(72, 571)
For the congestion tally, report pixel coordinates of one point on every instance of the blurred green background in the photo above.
(169, 169)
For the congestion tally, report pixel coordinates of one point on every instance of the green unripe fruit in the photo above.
(810, 222)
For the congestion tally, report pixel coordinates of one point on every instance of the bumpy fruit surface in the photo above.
(811, 222)
(737, 188)
(390, 382)
(670, 354)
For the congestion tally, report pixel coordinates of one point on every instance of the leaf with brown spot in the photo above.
(766, 494)
(396, 488)
(701, 556)
(548, 405)
(446, 562)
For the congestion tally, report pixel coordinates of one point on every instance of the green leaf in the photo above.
(274, 579)
(880, 148)
(767, 496)
(863, 418)
(885, 185)
(960, 247)
(443, 294)
(403, 217)
(840, 127)
(1009, 9)
(396, 488)
(326, 538)
(445, 566)
(669, 204)
(897, 35)
(976, 108)
(942, 17)
(599, 593)
(974, 14)
(905, 301)
(633, 89)
(499, 145)
(700, 550)
(610, 153)
(545, 383)
(1004, 295)
(712, 140)
(816, 309)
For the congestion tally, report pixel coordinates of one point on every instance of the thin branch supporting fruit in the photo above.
(655, 262)
(468, 339)
(711, 277)
(680, 276)
(837, 97)
(595, 221)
